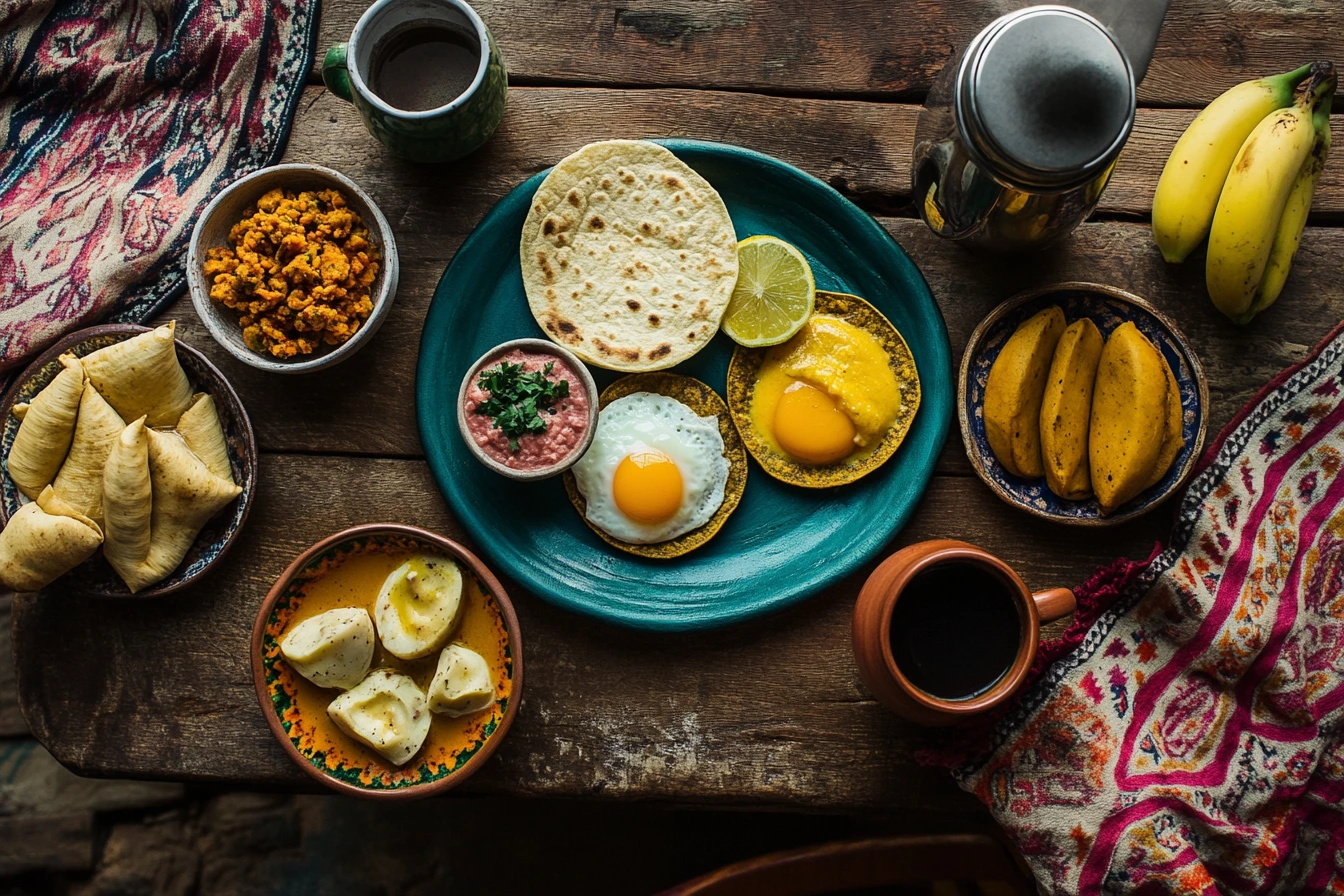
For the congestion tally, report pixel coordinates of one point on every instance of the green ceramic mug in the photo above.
(440, 134)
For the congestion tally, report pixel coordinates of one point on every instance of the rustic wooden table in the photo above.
(765, 713)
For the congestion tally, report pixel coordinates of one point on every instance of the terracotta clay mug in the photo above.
(943, 572)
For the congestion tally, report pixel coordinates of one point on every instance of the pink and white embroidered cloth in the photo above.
(119, 120)
(1188, 735)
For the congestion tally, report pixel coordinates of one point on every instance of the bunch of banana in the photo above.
(1095, 416)
(1243, 175)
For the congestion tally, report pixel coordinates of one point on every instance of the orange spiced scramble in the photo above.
(299, 270)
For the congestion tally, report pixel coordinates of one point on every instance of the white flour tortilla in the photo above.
(629, 256)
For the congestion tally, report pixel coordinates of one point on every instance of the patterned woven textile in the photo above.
(1186, 737)
(120, 120)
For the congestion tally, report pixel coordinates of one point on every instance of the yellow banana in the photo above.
(1255, 195)
(1294, 220)
(1187, 192)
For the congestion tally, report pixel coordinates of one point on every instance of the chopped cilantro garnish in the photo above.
(517, 399)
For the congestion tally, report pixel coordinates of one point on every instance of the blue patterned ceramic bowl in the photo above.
(94, 576)
(1109, 308)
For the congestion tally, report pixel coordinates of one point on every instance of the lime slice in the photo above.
(774, 294)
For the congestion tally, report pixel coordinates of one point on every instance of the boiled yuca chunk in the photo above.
(1173, 440)
(333, 649)
(1066, 410)
(1129, 417)
(1015, 389)
(461, 683)
(419, 606)
(385, 711)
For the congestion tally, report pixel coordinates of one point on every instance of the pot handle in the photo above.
(1134, 24)
(1055, 603)
(334, 73)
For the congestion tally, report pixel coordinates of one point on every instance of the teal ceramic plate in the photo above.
(783, 543)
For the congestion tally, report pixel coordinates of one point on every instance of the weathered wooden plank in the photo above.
(241, 843)
(770, 711)
(854, 46)
(33, 783)
(861, 148)
(46, 843)
(11, 720)
(177, 852)
(366, 404)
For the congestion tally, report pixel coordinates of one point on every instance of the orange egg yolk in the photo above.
(647, 487)
(811, 426)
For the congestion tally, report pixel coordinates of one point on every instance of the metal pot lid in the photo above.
(1047, 96)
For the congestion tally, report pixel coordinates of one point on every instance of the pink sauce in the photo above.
(565, 429)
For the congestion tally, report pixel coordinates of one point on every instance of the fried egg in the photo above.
(655, 470)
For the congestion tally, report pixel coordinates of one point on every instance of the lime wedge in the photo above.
(774, 295)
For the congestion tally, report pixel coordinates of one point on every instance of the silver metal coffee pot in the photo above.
(1021, 129)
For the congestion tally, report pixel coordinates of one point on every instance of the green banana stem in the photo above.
(1320, 122)
(1320, 87)
(1321, 118)
(1319, 91)
(1290, 80)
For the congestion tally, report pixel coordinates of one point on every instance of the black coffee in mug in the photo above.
(955, 630)
(424, 65)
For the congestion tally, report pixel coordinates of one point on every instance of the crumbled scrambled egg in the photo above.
(300, 270)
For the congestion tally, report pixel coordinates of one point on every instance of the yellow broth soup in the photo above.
(354, 580)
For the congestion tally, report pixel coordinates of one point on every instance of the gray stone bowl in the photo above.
(585, 383)
(231, 206)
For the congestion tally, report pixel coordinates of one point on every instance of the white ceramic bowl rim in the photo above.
(223, 332)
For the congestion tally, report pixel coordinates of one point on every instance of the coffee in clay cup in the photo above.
(965, 609)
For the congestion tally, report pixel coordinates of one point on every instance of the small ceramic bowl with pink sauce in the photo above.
(570, 421)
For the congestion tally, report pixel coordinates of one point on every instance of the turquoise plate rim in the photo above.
(753, 593)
